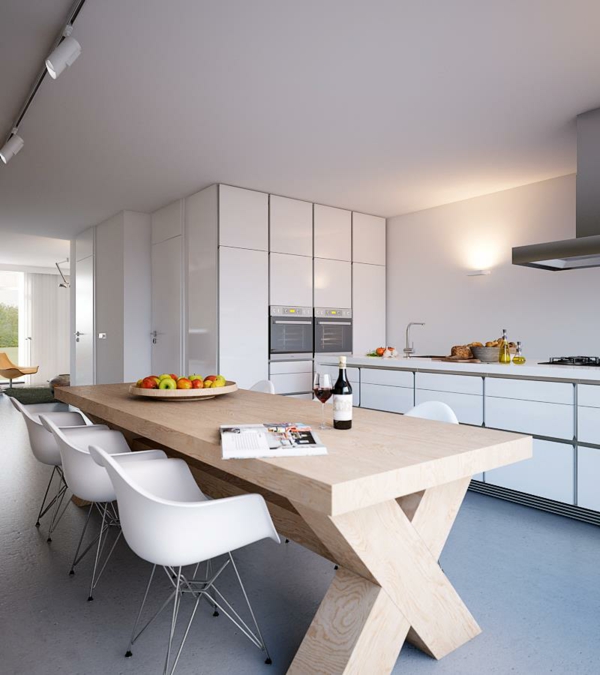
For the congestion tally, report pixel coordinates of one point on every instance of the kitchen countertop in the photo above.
(532, 369)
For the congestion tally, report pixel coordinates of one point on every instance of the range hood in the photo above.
(584, 250)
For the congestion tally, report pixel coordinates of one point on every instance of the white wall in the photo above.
(430, 252)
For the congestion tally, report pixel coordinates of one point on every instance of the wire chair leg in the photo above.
(176, 603)
(60, 495)
(211, 593)
(239, 578)
(41, 512)
(83, 531)
(98, 550)
(129, 653)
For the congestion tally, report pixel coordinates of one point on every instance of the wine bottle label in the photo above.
(342, 407)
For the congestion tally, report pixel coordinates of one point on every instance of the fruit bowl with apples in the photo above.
(170, 387)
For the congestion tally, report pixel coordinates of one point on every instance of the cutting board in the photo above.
(453, 359)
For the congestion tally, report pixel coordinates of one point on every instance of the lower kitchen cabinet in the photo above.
(384, 397)
(467, 407)
(549, 473)
(588, 471)
(555, 420)
(291, 377)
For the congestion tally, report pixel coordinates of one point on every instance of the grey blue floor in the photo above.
(531, 579)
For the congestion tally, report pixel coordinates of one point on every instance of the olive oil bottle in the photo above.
(518, 358)
(504, 356)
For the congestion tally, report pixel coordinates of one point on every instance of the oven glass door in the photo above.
(333, 335)
(291, 335)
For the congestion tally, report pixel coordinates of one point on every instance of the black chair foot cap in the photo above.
(49, 539)
(71, 573)
(268, 661)
(215, 613)
(336, 567)
(128, 654)
(287, 541)
(90, 599)
(37, 524)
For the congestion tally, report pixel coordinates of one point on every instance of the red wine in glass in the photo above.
(323, 391)
(322, 394)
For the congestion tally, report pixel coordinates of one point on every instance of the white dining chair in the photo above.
(44, 449)
(433, 410)
(168, 521)
(90, 482)
(263, 386)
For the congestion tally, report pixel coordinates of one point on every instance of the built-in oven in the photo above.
(290, 333)
(333, 330)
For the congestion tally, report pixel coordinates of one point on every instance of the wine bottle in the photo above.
(504, 356)
(342, 399)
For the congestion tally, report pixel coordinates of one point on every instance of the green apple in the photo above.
(164, 376)
(167, 383)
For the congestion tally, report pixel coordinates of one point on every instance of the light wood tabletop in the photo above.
(380, 504)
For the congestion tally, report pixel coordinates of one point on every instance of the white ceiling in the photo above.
(384, 107)
(18, 250)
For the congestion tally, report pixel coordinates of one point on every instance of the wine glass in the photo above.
(322, 390)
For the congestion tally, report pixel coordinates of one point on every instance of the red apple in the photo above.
(175, 377)
(183, 383)
(211, 378)
(149, 383)
(197, 384)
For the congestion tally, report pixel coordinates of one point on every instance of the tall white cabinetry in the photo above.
(368, 282)
(332, 265)
(227, 270)
(167, 289)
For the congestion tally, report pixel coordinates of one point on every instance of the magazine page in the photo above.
(276, 439)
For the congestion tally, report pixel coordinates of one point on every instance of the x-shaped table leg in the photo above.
(389, 583)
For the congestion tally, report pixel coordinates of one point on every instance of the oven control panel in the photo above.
(333, 312)
(290, 311)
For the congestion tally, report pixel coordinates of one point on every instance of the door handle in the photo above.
(77, 335)
(154, 335)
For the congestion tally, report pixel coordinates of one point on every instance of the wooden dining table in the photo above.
(380, 505)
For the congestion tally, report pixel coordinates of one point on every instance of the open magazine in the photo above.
(286, 439)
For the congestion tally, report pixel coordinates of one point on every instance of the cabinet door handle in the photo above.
(294, 323)
(334, 323)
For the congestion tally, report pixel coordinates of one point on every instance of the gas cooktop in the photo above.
(573, 361)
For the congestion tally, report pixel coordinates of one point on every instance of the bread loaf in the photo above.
(461, 352)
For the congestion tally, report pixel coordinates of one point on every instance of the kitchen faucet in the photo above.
(410, 349)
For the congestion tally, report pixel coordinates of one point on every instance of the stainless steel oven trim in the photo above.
(294, 323)
(334, 323)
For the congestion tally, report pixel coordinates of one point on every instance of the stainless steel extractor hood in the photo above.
(584, 250)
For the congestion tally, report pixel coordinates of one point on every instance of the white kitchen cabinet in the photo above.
(393, 378)
(368, 239)
(243, 320)
(290, 280)
(468, 408)
(333, 233)
(291, 377)
(368, 307)
(459, 384)
(549, 473)
(291, 226)
(588, 471)
(530, 390)
(332, 283)
(167, 307)
(554, 420)
(384, 397)
(588, 395)
(243, 218)
(588, 426)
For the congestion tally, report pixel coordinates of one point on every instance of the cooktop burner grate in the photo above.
(574, 361)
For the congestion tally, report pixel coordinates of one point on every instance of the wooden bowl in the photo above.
(183, 394)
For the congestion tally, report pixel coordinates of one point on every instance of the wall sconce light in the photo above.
(479, 273)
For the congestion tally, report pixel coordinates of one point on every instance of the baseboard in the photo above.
(541, 503)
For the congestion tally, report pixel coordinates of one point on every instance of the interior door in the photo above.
(167, 307)
(84, 321)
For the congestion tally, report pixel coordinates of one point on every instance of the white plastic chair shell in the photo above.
(84, 477)
(174, 532)
(263, 386)
(43, 444)
(433, 410)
